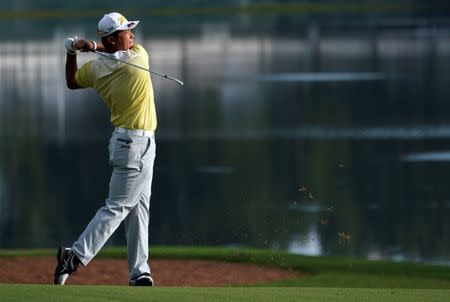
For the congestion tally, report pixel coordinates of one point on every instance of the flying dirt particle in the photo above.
(323, 221)
(344, 237)
(302, 189)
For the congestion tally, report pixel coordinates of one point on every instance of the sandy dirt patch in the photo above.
(39, 270)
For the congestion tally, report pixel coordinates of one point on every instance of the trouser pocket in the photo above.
(126, 151)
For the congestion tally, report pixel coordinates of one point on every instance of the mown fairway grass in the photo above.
(332, 279)
(48, 293)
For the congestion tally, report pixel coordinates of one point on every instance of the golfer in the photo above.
(128, 93)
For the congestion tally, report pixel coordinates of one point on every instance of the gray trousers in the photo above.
(132, 157)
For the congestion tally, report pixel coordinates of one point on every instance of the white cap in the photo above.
(113, 22)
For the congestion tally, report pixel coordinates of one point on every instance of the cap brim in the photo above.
(125, 26)
(128, 25)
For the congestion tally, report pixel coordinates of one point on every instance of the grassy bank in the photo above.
(332, 279)
(325, 271)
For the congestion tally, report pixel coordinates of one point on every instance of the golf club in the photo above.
(137, 66)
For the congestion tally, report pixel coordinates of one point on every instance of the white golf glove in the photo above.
(70, 45)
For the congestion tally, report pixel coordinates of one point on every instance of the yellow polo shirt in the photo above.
(126, 90)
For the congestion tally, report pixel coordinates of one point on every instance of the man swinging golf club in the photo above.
(128, 93)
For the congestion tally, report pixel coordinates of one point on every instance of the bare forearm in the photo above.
(71, 69)
(89, 45)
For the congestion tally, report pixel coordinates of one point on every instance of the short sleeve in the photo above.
(83, 76)
(137, 48)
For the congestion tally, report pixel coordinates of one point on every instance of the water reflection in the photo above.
(311, 142)
(306, 244)
(315, 77)
(427, 156)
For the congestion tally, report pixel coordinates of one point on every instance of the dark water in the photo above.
(320, 137)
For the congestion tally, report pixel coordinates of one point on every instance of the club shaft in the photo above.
(140, 67)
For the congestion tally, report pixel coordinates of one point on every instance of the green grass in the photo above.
(331, 279)
(47, 293)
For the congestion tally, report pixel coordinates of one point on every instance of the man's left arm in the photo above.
(71, 69)
(72, 46)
